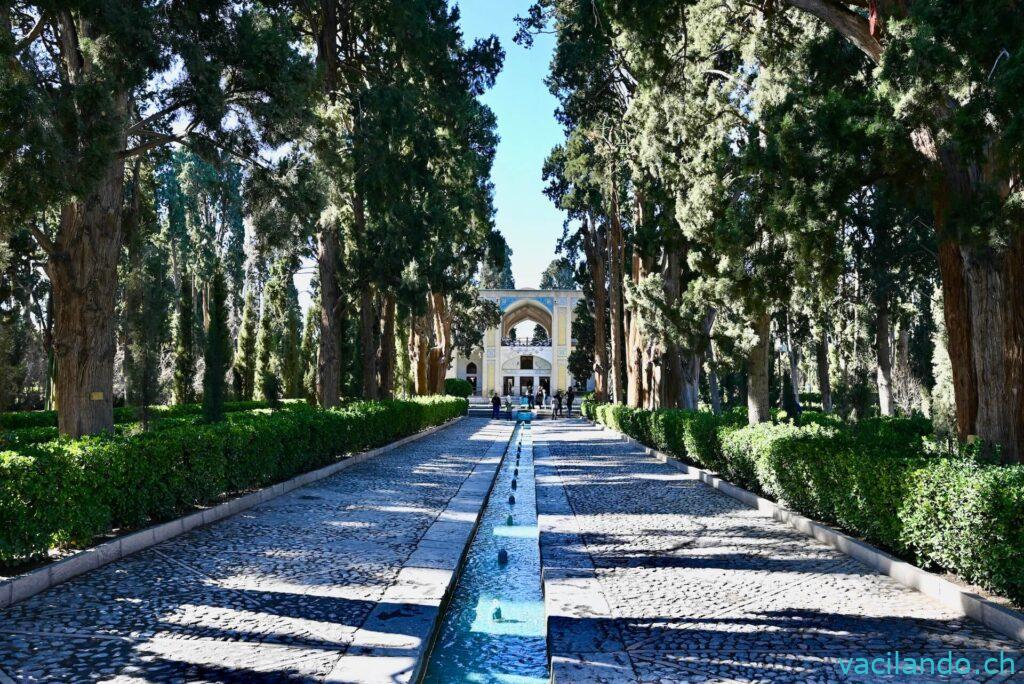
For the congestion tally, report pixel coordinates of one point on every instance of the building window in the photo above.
(526, 362)
(470, 368)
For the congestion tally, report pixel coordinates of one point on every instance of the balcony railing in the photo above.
(525, 342)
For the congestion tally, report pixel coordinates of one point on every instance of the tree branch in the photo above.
(44, 240)
(851, 25)
(30, 37)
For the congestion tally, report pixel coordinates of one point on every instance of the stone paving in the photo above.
(276, 593)
(654, 577)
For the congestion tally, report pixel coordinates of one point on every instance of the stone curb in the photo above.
(394, 641)
(1006, 621)
(23, 586)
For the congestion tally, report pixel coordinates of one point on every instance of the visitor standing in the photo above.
(568, 402)
(495, 405)
(508, 406)
(558, 403)
(540, 399)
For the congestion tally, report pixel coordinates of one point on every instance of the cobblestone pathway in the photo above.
(653, 577)
(271, 594)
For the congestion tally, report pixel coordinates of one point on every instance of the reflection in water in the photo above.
(493, 629)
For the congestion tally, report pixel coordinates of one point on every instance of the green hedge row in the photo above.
(19, 420)
(65, 493)
(457, 387)
(876, 479)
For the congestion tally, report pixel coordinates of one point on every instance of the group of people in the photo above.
(538, 400)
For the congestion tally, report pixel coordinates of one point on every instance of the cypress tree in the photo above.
(184, 347)
(310, 345)
(266, 343)
(292, 366)
(218, 349)
(245, 351)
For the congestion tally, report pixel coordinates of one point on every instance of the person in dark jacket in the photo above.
(495, 406)
(558, 403)
(569, 398)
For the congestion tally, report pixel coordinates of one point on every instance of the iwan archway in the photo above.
(519, 362)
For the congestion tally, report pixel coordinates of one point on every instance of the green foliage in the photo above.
(496, 270)
(278, 345)
(457, 387)
(559, 275)
(218, 350)
(27, 420)
(148, 297)
(270, 387)
(184, 346)
(245, 350)
(876, 479)
(63, 494)
(581, 358)
(310, 350)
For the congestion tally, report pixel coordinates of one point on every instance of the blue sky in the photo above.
(526, 123)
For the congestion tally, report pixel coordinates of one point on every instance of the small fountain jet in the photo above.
(503, 557)
(512, 498)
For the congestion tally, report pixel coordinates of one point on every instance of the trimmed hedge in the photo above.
(19, 420)
(877, 479)
(457, 387)
(65, 493)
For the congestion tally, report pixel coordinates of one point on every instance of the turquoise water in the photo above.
(474, 645)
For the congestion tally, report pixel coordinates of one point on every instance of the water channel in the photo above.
(493, 629)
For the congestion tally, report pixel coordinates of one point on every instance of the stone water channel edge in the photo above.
(493, 628)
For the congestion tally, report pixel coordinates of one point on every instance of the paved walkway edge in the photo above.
(1004, 620)
(31, 583)
(394, 642)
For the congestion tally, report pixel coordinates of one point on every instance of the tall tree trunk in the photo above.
(794, 366)
(440, 357)
(883, 349)
(757, 373)
(992, 304)
(635, 357)
(595, 253)
(713, 387)
(403, 372)
(690, 396)
(693, 362)
(1013, 348)
(419, 350)
(824, 383)
(618, 350)
(368, 341)
(670, 385)
(83, 273)
(328, 261)
(387, 349)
